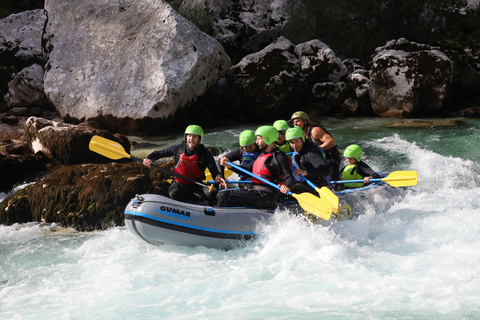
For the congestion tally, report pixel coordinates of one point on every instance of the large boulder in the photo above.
(410, 79)
(122, 61)
(86, 197)
(245, 26)
(67, 143)
(277, 78)
(26, 88)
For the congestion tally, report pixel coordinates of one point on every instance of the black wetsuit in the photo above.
(192, 193)
(310, 158)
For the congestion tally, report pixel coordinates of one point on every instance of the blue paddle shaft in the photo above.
(254, 175)
(307, 181)
(351, 181)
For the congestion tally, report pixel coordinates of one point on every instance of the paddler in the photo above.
(308, 160)
(247, 153)
(272, 165)
(191, 159)
(282, 144)
(356, 168)
(321, 138)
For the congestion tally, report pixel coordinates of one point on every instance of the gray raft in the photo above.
(161, 220)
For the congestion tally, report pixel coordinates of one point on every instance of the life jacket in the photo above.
(350, 173)
(249, 157)
(188, 166)
(261, 168)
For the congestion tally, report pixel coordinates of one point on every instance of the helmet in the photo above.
(353, 151)
(294, 133)
(246, 138)
(300, 114)
(281, 125)
(194, 129)
(268, 133)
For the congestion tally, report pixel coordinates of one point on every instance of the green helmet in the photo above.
(247, 138)
(353, 151)
(281, 125)
(300, 114)
(194, 129)
(294, 133)
(268, 133)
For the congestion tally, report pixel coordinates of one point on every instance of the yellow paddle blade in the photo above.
(402, 178)
(208, 175)
(107, 148)
(314, 205)
(330, 197)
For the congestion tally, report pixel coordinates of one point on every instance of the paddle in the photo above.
(115, 151)
(229, 181)
(395, 179)
(326, 194)
(307, 201)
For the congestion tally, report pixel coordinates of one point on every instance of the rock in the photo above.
(426, 123)
(26, 88)
(17, 169)
(21, 36)
(8, 133)
(278, 77)
(244, 26)
(129, 62)
(410, 79)
(472, 112)
(67, 143)
(86, 197)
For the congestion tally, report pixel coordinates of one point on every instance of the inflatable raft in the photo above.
(161, 220)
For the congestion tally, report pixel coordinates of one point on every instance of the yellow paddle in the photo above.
(309, 202)
(329, 198)
(113, 150)
(395, 179)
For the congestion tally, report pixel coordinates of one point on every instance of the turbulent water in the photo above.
(417, 259)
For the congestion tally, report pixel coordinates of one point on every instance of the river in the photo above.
(418, 259)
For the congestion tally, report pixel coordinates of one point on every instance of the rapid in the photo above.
(414, 259)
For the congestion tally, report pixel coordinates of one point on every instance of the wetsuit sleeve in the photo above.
(285, 169)
(167, 152)
(235, 155)
(316, 166)
(364, 170)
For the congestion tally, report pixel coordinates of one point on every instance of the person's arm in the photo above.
(285, 169)
(320, 135)
(366, 172)
(155, 155)
(212, 166)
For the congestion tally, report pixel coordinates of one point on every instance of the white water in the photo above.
(420, 259)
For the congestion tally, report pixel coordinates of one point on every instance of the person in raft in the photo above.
(247, 153)
(356, 168)
(308, 160)
(272, 165)
(321, 138)
(191, 159)
(282, 144)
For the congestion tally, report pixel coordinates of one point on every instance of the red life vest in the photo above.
(188, 166)
(260, 169)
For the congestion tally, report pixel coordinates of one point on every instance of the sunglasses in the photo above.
(281, 132)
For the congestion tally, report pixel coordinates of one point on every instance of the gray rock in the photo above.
(21, 35)
(404, 83)
(26, 88)
(128, 59)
